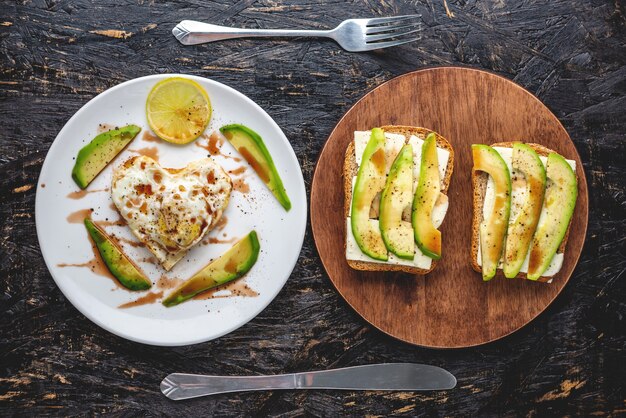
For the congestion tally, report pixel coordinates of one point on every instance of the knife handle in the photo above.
(178, 386)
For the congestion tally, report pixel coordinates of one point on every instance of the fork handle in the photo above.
(191, 32)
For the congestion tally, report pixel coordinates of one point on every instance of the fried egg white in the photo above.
(170, 210)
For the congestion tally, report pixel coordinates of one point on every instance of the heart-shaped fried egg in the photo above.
(168, 209)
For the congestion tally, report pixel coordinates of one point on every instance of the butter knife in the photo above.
(390, 376)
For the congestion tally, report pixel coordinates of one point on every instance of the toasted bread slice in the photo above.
(479, 183)
(350, 170)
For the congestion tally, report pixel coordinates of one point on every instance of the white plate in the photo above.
(280, 233)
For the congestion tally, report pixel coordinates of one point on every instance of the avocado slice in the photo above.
(251, 147)
(231, 265)
(493, 229)
(559, 203)
(94, 156)
(370, 180)
(116, 261)
(525, 162)
(427, 237)
(398, 234)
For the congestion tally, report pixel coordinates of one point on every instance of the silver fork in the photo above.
(354, 35)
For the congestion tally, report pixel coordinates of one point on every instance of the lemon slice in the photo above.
(178, 110)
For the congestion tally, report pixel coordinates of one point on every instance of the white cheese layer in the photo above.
(518, 196)
(442, 159)
(439, 211)
(393, 145)
(553, 268)
(353, 252)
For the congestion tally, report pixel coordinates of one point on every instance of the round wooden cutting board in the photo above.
(451, 307)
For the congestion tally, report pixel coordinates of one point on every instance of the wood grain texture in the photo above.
(451, 307)
(56, 55)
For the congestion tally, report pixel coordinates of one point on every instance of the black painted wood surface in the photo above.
(56, 55)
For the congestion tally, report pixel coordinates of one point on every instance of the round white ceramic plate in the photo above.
(62, 242)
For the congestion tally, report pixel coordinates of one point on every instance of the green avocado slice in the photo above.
(559, 203)
(427, 237)
(251, 147)
(116, 261)
(370, 180)
(398, 194)
(493, 229)
(94, 156)
(525, 163)
(231, 265)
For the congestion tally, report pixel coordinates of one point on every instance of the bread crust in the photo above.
(350, 170)
(479, 185)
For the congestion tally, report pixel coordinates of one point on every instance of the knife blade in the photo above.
(389, 376)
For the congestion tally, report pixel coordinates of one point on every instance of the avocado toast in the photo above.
(537, 254)
(394, 259)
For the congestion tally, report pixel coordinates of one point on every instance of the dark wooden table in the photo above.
(55, 55)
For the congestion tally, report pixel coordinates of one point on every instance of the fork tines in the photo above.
(391, 31)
